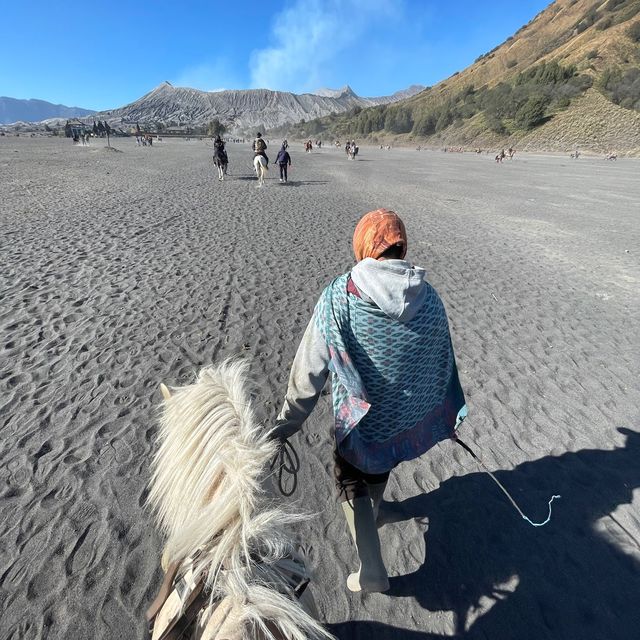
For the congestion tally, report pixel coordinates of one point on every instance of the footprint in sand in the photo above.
(313, 438)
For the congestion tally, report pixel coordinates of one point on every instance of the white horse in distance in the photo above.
(232, 572)
(260, 166)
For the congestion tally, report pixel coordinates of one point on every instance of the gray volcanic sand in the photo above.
(124, 269)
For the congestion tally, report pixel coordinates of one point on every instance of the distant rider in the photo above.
(219, 150)
(260, 147)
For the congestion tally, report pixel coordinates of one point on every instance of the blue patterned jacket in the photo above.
(396, 391)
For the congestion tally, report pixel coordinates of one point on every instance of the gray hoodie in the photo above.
(395, 286)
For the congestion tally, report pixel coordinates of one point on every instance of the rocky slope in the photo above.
(15, 110)
(591, 123)
(240, 110)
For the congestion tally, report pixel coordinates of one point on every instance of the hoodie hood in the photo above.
(395, 286)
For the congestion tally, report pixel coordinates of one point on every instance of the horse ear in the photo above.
(166, 394)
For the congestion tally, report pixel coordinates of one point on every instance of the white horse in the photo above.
(260, 166)
(231, 571)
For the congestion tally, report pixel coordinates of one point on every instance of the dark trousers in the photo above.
(351, 482)
(283, 171)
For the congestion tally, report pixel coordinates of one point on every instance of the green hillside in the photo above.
(567, 52)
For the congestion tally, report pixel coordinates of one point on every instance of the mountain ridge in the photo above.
(559, 63)
(240, 110)
(35, 110)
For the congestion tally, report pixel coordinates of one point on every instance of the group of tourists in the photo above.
(82, 138)
(144, 140)
(351, 149)
(505, 154)
(283, 159)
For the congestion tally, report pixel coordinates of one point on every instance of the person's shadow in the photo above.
(578, 577)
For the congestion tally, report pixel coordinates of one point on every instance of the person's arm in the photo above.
(307, 378)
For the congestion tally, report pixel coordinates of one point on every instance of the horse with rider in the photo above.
(220, 158)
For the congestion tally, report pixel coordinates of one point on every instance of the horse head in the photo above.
(206, 491)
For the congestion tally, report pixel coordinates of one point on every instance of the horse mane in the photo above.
(208, 499)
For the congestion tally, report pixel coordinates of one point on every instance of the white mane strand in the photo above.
(207, 495)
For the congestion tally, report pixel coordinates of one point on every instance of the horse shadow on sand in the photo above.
(302, 183)
(290, 183)
(578, 577)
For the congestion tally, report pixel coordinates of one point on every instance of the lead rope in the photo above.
(506, 493)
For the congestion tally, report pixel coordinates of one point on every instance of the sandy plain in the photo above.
(120, 270)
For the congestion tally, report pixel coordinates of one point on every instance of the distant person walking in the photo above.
(283, 161)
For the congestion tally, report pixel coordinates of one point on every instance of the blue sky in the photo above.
(102, 58)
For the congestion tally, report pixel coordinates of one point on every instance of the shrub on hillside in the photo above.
(370, 120)
(425, 125)
(634, 32)
(398, 120)
(581, 82)
(494, 123)
(604, 24)
(622, 87)
(314, 127)
(532, 112)
(216, 128)
(546, 73)
(627, 11)
(592, 54)
(590, 18)
(612, 4)
(444, 120)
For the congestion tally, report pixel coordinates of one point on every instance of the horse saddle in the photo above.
(183, 608)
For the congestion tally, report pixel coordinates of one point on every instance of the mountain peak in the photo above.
(163, 86)
(335, 93)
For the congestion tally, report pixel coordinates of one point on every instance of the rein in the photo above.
(287, 461)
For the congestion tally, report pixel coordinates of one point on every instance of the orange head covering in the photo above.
(376, 232)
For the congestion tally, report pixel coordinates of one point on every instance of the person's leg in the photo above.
(376, 493)
(358, 507)
(285, 173)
